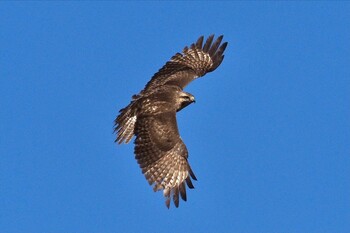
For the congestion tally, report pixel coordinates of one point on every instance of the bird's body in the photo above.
(151, 117)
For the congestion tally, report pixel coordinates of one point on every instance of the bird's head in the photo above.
(184, 100)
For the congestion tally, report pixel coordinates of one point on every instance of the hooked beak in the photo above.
(193, 100)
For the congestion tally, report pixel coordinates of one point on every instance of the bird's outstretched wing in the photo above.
(195, 61)
(162, 155)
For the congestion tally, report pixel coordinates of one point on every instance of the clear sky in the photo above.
(268, 138)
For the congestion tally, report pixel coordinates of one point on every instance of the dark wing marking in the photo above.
(193, 62)
(162, 155)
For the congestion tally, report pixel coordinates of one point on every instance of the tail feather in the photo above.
(125, 124)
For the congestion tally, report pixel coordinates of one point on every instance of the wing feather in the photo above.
(215, 46)
(199, 42)
(208, 43)
(182, 189)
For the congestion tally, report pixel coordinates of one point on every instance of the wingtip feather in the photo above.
(199, 42)
(208, 43)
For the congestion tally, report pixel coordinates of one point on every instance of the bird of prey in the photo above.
(151, 117)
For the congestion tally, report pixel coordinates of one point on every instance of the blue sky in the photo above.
(269, 135)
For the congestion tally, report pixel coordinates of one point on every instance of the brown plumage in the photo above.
(151, 117)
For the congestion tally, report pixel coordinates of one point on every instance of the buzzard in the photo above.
(151, 117)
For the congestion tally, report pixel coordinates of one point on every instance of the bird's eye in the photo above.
(187, 98)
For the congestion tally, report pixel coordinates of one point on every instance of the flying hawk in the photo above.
(151, 117)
